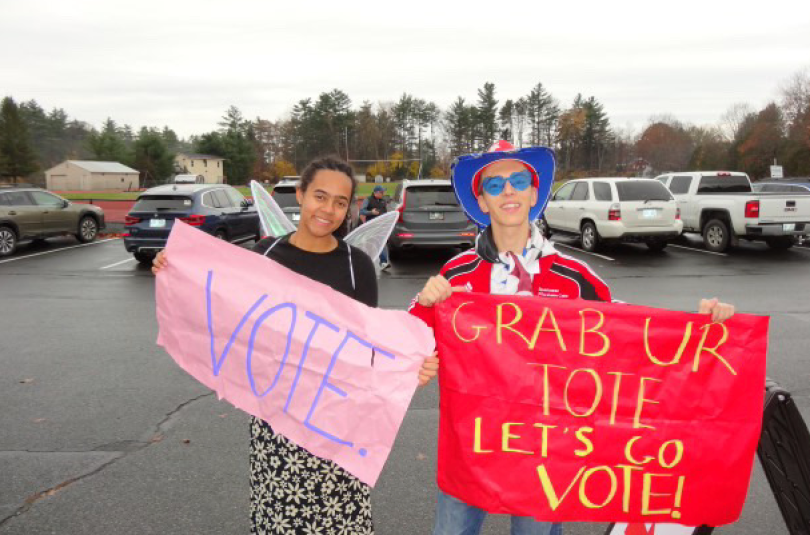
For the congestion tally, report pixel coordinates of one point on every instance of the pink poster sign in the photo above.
(329, 373)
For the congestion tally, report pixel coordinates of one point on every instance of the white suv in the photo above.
(602, 210)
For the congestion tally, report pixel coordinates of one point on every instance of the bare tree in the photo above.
(732, 120)
(796, 95)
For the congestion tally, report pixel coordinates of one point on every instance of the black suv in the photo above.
(217, 209)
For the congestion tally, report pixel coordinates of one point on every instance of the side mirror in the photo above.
(65, 203)
(247, 203)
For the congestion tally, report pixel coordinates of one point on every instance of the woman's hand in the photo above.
(160, 262)
(429, 369)
(720, 311)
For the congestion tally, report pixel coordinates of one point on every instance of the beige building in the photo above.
(78, 175)
(210, 167)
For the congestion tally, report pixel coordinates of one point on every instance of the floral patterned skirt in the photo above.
(295, 492)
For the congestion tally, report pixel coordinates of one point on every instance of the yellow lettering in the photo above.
(580, 434)
(477, 444)
(646, 494)
(555, 329)
(613, 486)
(616, 386)
(500, 326)
(506, 436)
(548, 488)
(545, 383)
(628, 452)
(596, 398)
(544, 444)
(641, 401)
(713, 350)
(627, 473)
(678, 453)
(478, 328)
(593, 330)
(677, 358)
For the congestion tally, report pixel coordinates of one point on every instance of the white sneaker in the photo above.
(384, 266)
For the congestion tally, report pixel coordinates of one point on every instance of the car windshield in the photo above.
(724, 184)
(153, 203)
(642, 190)
(417, 197)
(285, 197)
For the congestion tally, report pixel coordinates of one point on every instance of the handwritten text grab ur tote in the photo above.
(570, 410)
(329, 373)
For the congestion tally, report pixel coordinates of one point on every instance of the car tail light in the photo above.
(125, 235)
(615, 213)
(195, 220)
(723, 174)
(467, 234)
(404, 235)
(131, 220)
(752, 209)
(677, 213)
(401, 208)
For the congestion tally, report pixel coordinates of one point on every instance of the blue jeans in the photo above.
(454, 517)
(384, 255)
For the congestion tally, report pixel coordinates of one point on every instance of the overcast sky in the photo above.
(181, 63)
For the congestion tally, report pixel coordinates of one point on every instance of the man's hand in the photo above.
(720, 311)
(160, 262)
(430, 367)
(436, 290)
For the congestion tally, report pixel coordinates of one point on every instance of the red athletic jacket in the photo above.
(560, 276)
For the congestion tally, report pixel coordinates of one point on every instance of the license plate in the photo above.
(788, 227)
(296, 217)
(649, 214)
(157, 223)
(436, 215)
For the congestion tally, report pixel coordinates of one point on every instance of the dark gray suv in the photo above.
(429, 216)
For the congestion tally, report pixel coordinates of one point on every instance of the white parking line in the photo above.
(697, 250)
(56, 250)
(132, 259)
(582, 251)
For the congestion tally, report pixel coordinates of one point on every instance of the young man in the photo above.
(374, 206)
(503, 191)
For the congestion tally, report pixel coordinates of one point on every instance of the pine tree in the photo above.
(487, 116)
(17, 157)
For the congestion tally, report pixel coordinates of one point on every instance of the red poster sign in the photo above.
(571, 410)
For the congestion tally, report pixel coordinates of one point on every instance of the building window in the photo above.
(217, 163)
(205, 163)
(192, 163)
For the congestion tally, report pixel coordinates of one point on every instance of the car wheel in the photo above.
(144, 259)
(88, 230)
(589, 237)
(657, 245)
(716, 236)
(780, 243)
(8, 241)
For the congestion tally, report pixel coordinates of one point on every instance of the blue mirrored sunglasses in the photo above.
(520, 181)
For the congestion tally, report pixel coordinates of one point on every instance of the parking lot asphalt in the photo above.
(103, 433)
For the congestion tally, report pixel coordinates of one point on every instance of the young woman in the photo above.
(293, 491)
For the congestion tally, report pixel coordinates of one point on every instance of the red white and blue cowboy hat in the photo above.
(465, 174)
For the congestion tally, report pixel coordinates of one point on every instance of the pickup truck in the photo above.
(723, 207)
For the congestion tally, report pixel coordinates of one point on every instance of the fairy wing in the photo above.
(274, 222)
(371, 237)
